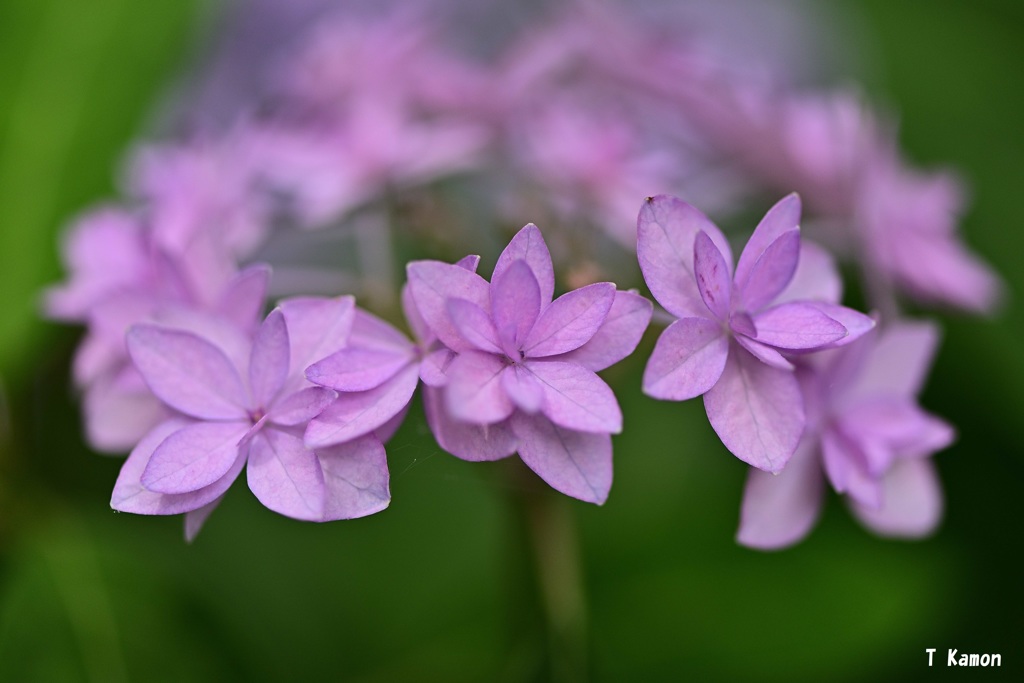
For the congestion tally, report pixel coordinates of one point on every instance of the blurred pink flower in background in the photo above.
(866, 436)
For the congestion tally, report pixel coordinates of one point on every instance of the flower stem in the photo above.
(549, 527)
(552, 529)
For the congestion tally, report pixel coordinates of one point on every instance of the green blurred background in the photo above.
(439, 587)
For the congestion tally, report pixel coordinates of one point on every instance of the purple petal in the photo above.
(104, 250)
(757, 411)
(899, 361)
(797, 325)
(666, 231)
(285, 476)
(780, 509)
(371, 332)
(577, 399)
(579, 464)
(194, 457)
(317, 327)
(465, 440)
(911, 505)
(432, 283)
(474, 325)
(937, 268)
(474, 392)
(687, 360)
(130, 496)
(187, 373)
(196, 519)
(116, 418)
(570, 321)
(356, 414)
(301, 407)
(215, 329)
(434, 367)
(515, 305)
(847, 469)
(268, 364)
(420, 330)
(470, 263)
(523, 388)
(781, 218)
(243, 299)
(742, 324)
(770, 274)
(617, 337)
(355, 478)
(388, 429)
(931, 435)
(203, 266)
(763, 353)
(856, 323)
(897, 427)
(816, 277)
(528, 245)
(358, 368)
(713, 278)
(99, 352)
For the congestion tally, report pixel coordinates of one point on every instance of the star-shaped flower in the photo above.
(245, 402)
(524, 364)
(734, 328)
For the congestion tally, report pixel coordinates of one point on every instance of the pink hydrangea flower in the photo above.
(201, 190)
(120, 276)
(328, 170)
(525, 364)
(243, 401)
(118, 408)
(734, 328)
(867, 436)
(366, 106)
(908, 229)
(105, 251)
(592, 164)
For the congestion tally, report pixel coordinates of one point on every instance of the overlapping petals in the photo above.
(868, 438)
(368, 128)
(375, 376)
(243, 401)
(736, 330)
(521, 370)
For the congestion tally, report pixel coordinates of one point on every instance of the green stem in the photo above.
(552, 542)
(552, 529)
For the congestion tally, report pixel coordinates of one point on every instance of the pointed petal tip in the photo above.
(757, 411)
(577, 464)
(791, 202)
(855, 323)
(470, 262)
(528, 232)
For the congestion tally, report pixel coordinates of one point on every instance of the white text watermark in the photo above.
(956, 658)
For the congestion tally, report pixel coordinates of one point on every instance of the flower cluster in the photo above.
(371, 137)
(303, 400)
